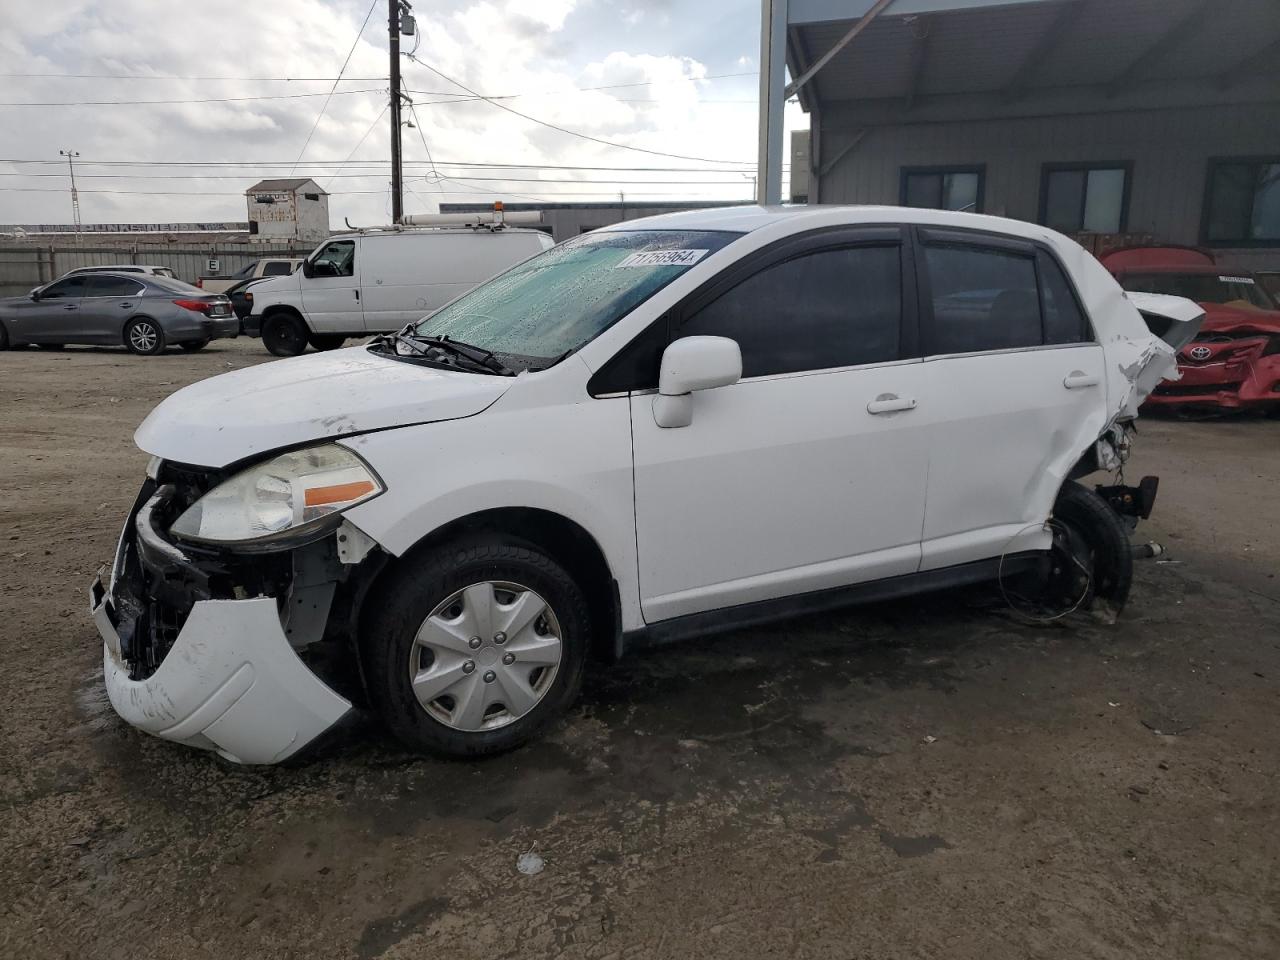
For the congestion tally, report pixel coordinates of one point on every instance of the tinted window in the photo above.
(1084, 199)
(109, 286)
(174, 286)
(943, 189)
(67, 287)
(1244, 202)
(982, 299)
(277, 268)
(835, 308)
(1063, 321)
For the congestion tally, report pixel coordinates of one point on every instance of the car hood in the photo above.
(1224, 318)
(227, 418)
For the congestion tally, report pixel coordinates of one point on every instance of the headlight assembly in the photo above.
(295, 497)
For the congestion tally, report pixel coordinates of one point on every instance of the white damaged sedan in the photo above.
(657, 430)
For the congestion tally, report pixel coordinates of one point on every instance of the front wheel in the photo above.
(284, 335)
(474, 648)
(144, 337)
(326, 341)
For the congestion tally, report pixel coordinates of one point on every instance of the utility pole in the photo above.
(75, 194)
(397, 165)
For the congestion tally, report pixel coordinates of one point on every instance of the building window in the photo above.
(1085, 197)
(1242, 202)
(943, 188)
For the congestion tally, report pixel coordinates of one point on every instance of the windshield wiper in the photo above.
(478, 356)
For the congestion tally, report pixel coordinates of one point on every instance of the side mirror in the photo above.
(35, 293)
(688, 365)
(306, 269)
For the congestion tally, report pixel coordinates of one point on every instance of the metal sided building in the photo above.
(1115, 121)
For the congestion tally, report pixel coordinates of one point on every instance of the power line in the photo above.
(572, 133)
(183, 164)
(183, 100)
(350, 176)
(359, 144)
(173, 76)
(325, 106)
(225, 193)
(169, 77)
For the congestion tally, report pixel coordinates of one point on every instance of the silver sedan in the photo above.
(143, 313)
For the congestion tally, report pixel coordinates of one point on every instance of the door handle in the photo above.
(1078, 380)
(125, 306)
(357, 293)
(890, 403)
(70, 306)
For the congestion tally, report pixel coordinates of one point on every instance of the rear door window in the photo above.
(109, 286)
(981, 299)
(831, 308)
(1064, 321)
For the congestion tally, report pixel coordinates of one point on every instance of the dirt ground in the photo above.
(926, 779)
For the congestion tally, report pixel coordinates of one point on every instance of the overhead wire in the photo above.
(564, 130)
(325, 106)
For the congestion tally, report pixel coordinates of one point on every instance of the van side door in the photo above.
(331, 294)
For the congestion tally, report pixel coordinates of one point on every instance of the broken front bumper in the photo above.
(195, 648)
(230, 683)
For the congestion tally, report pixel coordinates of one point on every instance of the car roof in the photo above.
(412, 231)
(745, 219)
(119, 268)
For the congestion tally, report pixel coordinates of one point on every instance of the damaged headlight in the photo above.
(293, 496)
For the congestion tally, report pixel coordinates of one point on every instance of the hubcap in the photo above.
(517, 670)
(143, 336)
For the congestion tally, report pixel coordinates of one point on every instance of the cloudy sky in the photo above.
(678, 78)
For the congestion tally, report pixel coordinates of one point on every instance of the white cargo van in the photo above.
(375, 281)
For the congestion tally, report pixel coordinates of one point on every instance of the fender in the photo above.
(529, 457)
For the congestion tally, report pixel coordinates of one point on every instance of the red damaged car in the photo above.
(1234, 362)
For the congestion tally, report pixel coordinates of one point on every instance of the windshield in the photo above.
(1228, 289)
(565, 297)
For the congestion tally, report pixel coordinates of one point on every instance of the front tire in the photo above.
(473, 648)
(326, 341)
(4, 338)
(144, 337)
(284, 335)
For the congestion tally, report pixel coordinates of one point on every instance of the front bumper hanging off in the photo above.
(230, 681)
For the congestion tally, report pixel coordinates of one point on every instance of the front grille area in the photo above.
(159, 581)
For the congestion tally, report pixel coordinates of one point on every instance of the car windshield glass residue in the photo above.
(563, 298)
(1227, 288)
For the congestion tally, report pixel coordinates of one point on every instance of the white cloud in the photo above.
(543, 52)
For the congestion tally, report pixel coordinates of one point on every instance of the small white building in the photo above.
(284, 210)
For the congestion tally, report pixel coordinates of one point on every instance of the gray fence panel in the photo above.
(26, 265)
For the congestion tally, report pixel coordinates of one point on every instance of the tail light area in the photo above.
(202, 306)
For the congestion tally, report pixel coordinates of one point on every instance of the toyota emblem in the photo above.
(1200, 353)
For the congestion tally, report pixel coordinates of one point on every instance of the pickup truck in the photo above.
(266, 267)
